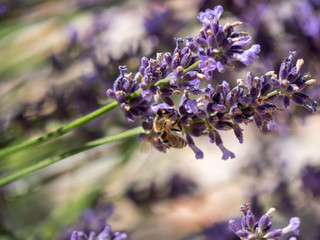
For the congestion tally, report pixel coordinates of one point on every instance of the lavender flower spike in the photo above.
(261, 229)
(205, 110)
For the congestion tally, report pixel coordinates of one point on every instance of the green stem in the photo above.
(274, 92)
(47, 162)
(80, 121)
(60, 131)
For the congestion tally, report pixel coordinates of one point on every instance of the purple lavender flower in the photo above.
(91, 220)
(175, 187)
(311, 179)
(261, 229)
(217, 108)
(219, 46)
(106, 234)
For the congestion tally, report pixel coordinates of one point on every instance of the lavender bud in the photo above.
(75, 236)
(293, 226)
(258, 120)
(301, 95)
(273, 234)
(166, 91)
(266, 117)
(197, 151)
(225, 88)
(254, 92)
(220, 34)
(286, 101)
(250, 219)
(144, 62)
(212, 41)
(225, 126)
(227, 43)
(168, 100)
(111, 93)
(238, 119)
(92, 235)
(136, 101)
(211, 136)
(201, 42)
(292, 88)
(129, 116)
(275, 83)
(189, 76)
(179, 42)
(226, 153)
(154, 89)
(264, 223)
(266, 88)
(174, 81)
(234, 226)
(186, 60)
(168, 58)
(238, 132)
(120, 96)
(213, 120)
(293, 74)
(219, 107)
(176, 61)
(261, 109)
(242, 233)
(121, 236)
(178, 72)
(191, 45)
(244, 223)
(244, 100)
(297, 100)
(249, 80)
(201, 114)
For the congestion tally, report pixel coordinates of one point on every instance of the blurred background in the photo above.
(58, 58)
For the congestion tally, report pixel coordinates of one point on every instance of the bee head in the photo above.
(168, 113)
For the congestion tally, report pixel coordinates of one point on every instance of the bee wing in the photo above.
(175, 140)
(150, 141)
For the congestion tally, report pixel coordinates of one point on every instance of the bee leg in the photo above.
(177, 124)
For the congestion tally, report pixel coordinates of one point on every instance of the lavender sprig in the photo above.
(219, 108)
(261, 230)
(214, 48)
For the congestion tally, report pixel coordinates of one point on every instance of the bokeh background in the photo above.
(58, 58)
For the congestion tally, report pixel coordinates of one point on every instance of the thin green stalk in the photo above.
(51, 160)
(80, 121)
(60, 131)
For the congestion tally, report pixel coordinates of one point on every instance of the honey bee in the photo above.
(165, 130)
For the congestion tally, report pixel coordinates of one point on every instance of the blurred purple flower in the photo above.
(311, 179)
(106, 234)
(176, 186)
(261, 229)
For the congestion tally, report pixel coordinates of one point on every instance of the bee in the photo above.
(165, 130)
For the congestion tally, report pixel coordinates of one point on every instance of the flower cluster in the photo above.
(106, 234)
(92, 220)
(219, 46)
(210, 109)
(250, 229)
